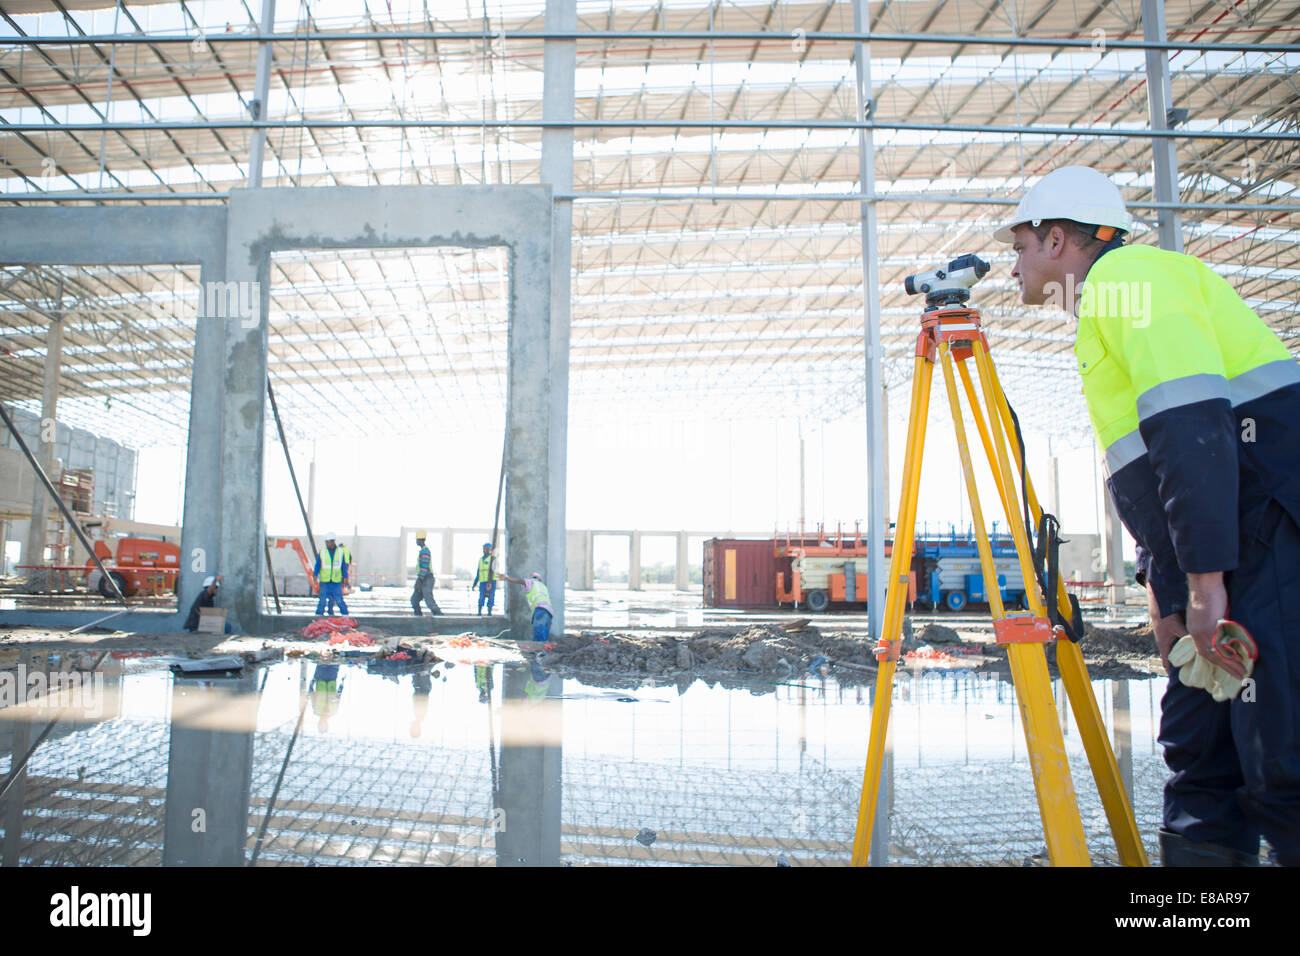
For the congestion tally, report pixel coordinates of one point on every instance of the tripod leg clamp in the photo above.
(887, 650)
(1022, 630)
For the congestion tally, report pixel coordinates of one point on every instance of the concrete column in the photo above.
(575, 557)
(209, 773)
(35, 553)
(634, 560)
(589, 573)
(449, 552)
(682, 575)
(243, 421)
(559, 60)
(1164, 157)
(877, 519)
(201, 520)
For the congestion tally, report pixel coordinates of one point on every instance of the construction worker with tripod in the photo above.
(1196, 405)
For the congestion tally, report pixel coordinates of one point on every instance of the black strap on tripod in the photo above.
(1047, 552)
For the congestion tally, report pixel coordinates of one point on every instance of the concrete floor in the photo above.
(507, 766)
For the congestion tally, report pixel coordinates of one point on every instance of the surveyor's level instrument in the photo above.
(952, 334)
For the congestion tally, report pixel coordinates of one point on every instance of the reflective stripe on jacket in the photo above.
(331, 568)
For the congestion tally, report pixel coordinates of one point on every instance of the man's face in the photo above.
(1036, 266)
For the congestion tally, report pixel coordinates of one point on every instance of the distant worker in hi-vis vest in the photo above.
(485, 579)
(332, 564)
(423, 590)
(1196, 404)
(539, 602)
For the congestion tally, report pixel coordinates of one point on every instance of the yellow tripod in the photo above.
(953, 334)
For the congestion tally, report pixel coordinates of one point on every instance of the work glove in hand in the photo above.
(1195, 670)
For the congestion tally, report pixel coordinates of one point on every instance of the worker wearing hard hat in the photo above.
(332, 564)
(485, 579)
(423, 579)
(207, 598)
(1196, 404)
(539, 602)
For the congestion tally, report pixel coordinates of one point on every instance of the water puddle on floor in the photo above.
(299, 762)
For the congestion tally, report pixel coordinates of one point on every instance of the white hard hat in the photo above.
(1071, 192)
(331, 536)
(210, 580)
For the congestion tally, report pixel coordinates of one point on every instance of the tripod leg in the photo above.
(991, 589)
(895, 604)
(1062, 826)
(982, 427)
(1078, 688)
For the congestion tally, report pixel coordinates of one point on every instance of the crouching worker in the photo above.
(207, 598)
(539, 601)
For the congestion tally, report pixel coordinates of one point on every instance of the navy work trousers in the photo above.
(331, 594)
(486, 594)
(1236, 764)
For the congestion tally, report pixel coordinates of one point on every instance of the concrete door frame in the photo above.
(263, 221)
(144, 235)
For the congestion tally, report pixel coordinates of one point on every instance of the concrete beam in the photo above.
(107, 235)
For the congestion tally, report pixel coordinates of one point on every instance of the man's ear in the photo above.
(1055, 242)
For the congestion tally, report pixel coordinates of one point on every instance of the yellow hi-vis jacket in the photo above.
(537, 595)
(484, 575)
(1196, 404)
(331, 568)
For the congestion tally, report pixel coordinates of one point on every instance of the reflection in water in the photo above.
(532, 732)
(340, 763)
(209, 771)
